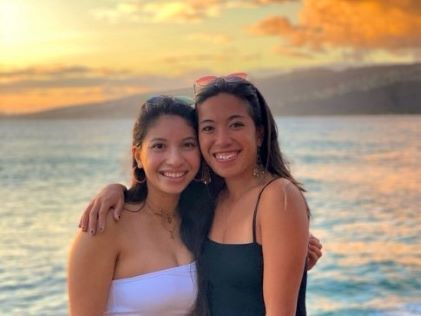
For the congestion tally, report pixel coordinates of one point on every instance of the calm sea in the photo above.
(363, 175)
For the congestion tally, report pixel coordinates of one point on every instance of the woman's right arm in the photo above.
(110, 198)
(90, 271)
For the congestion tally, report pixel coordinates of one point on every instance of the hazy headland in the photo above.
(380, 89)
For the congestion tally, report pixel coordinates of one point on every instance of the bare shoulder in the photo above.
(130, 213)
(278, 184)
(281, 188)
(108, 237)
(132, 219)
(281, 195)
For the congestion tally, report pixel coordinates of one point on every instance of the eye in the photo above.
(158, 146)
(207, 129)
(190, 145)
(237, 124)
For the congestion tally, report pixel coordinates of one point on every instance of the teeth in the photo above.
(173, 174)
(225, 156)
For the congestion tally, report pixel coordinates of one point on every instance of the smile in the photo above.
(226, 156)
(174, 175)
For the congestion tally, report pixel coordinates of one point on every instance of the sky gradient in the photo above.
(55, 53)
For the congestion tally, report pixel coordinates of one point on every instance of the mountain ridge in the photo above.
(377, 89)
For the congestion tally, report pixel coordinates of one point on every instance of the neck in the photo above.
(236, 187)
(164, 202)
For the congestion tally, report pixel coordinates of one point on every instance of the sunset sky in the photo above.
(56, 52)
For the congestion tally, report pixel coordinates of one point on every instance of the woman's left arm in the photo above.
(284, 237)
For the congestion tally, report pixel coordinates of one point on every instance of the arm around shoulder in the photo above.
(284, 235)
(90, 271)
(109, 198)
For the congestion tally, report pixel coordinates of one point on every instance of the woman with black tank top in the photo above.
(254, 260)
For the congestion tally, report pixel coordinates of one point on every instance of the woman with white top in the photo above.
(144, 265)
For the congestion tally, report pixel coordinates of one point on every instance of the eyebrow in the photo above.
(235, 117)
(190, 138)
(232, 117)
(158, 139)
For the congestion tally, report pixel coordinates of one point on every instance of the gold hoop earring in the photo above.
(136, 171)
(259, 170)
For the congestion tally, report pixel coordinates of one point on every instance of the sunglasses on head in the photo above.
(179, 99)
(205, 80)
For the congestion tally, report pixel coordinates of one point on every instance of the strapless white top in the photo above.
(168, 292)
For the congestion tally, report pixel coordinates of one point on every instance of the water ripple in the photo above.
(363, 180)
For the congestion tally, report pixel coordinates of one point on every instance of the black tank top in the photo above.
(234, 277)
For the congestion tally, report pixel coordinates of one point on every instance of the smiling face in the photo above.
(169, 154)
(228, 136)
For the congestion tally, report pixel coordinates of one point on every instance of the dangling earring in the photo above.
(205, 177)
(138, 170)
(258, 170)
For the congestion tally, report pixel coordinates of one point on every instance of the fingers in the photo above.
(315, 242)
(314, 251)
(93, 218)
(81, 220)
(118, 208)
(107, 205)
(311, 261)
(102, 216)
(84, 220)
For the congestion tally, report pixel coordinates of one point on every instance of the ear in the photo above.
(136, 155)
(259, 136)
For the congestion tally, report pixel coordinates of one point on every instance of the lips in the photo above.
(174, 174)
(226, 156)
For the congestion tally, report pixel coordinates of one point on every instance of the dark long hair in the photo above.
(195, 205)
(272, 158)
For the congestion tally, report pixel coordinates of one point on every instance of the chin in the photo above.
(225, 173)
(175, 188)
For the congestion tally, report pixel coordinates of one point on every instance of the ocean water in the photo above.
(362, 173)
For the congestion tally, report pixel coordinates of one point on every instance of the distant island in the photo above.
(380, 89)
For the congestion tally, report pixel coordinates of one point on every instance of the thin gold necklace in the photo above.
(166, 218)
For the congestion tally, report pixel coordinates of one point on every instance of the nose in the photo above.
(175, 157)
(222, 137)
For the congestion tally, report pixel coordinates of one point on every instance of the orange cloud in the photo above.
(357, 25)
(293, 52)
(174, 10)
(122, 10)
(34, 100)
(203, 60)
(214, 38)
(158, 11)
(181, 11)
(37, 88)
(272, 1)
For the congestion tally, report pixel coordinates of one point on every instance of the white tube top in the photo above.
(168, 292)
